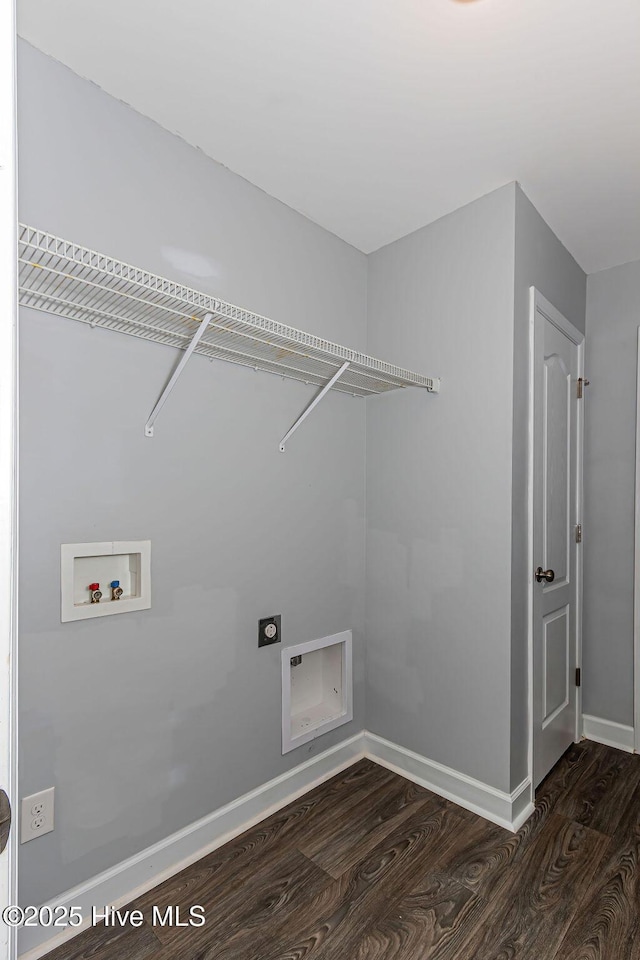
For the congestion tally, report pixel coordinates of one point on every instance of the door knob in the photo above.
(547, 575)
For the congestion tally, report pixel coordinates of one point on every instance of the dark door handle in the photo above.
(547, 575)
(5, 820)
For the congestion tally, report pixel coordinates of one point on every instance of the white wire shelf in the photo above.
(63, 278)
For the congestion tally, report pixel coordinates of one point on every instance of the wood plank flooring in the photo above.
(371, 867)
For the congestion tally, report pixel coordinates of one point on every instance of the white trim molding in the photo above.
(608, 732)
(130, 879)
(636, 573)
(8, 463)
(508, 810)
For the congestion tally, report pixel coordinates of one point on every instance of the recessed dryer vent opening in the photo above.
(317, 691)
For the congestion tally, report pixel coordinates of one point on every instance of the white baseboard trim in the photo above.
(509, 810)
(142, 872)
(607, 732)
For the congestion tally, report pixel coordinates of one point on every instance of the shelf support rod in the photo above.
(184, 359)
(314, 403)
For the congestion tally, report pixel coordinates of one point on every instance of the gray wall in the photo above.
(540, 261)
(439, 492)
(613, 317)
(147, 721)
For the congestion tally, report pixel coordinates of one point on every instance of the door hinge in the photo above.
(580, 385)
(578, 533)
(578, 677)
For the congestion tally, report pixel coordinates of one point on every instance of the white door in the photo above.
(8, 380)
(556, 562)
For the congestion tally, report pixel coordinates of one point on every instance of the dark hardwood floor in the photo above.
(371, 867)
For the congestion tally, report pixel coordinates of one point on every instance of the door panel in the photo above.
(557, 426)
(557, 364)
(556, 653)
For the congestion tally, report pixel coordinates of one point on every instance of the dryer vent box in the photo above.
(317, 692)
(83, 565)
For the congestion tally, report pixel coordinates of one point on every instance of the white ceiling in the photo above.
(376, 117)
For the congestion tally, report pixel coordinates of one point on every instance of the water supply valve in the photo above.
(96, 592)
(116, 590)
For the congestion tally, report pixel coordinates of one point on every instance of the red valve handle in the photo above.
(94, 586)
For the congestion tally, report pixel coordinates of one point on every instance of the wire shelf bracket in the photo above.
(164, 396)
(63, 278)
(314, 403)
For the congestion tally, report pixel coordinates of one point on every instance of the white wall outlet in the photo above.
(37, 815)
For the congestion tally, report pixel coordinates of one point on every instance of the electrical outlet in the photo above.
(268, 631)
(37, 815)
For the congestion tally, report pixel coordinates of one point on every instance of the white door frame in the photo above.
(8, 459)
(539, 304)
(636, 575)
